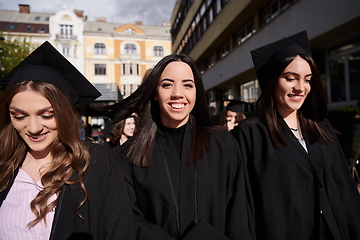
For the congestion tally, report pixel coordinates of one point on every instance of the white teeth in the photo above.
(37, 136)
(177, 106)
(294, 96)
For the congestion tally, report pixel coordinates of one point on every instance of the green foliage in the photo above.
(12, 51)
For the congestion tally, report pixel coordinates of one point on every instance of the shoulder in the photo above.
(253, 124)
(102, 158)
(222, 138)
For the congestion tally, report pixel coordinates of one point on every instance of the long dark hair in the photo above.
(69, 155)
(313, 110)
(118, 129)
(142, 101)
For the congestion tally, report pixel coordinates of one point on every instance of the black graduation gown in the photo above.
(107, 211)
(219, 202)
(295, 191)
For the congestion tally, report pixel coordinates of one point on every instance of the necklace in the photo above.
(295, 129)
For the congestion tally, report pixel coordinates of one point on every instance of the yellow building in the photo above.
(122, 53)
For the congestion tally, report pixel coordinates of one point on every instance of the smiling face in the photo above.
(176, 94)
(129, 127)
(293, 86)
(33, 118)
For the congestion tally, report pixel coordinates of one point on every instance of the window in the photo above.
(245, 32)
(131, 88)
(223, 51)
(158, 51)
(47, 19)
(137, 69)
(37, 18)
(11, 27)
(124, 90)
(42, 30)
(99, 48)
(123, 68)
(28, 28)
(344, 62)
(66, 31)
(131, 68)
(354, 75)
(274, 8)
(204, 17)
(66, 50)
(129, 31)
(100, 69)
(130, 49)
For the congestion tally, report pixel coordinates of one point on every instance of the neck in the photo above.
(123, 139)
(292, 120)
(35, 165)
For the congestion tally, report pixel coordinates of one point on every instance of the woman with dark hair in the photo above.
(186, 178)
(232, 115)
(121, 132)
(301, 185)
(53, 185)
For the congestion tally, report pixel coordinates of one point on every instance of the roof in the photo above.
(108, 28)
(32, 17)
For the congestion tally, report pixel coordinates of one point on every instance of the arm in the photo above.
(143, 228)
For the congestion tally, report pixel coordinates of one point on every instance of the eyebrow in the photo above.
(292, 73)
(24, 112)
(171, 80)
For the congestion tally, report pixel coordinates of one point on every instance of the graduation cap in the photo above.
(266, 59)
(46, 64)
(235, 106)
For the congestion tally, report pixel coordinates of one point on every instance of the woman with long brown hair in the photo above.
(53, 185)
(185, 175)
(300, 181)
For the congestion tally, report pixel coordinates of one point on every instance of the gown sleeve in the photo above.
(143, 228)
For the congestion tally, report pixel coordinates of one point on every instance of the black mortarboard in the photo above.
(266, 59)
(235, 106)
(46, 64)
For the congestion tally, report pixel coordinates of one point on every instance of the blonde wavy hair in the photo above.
(70, 157)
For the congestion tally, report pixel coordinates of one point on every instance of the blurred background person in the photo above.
(232, 115)
(121, 132)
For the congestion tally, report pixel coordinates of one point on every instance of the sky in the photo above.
(150, 12)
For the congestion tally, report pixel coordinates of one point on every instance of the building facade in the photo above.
(219, 35)
(113, 56)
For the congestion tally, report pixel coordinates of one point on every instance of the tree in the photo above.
(12, 51)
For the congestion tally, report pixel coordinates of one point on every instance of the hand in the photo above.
(230, 125)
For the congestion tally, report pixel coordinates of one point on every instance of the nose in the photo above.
(34, 125)
(300, 85)
(177, 93)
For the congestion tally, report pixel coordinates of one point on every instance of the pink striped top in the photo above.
(15, 212)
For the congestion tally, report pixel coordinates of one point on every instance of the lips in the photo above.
(295, 97)
(37, 137)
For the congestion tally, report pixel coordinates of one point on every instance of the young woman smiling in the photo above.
(53, 185)
(185, 176)
(301, 185)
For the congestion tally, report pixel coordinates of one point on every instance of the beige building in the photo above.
(219, 35)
